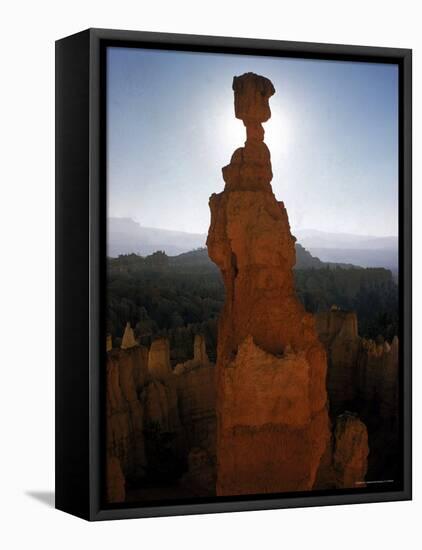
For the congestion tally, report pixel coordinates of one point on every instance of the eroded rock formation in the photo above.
(338, 331)
(128, 340)
(125, 415)
(159, 360)
(379, 376)
(200, 357)
(361, 372)
(200, 477)
(196, 389)
(159, 422)
(350, 452)
(159, 395)
(160, 401)
(272, 420)
(363, 377)
(344, 464)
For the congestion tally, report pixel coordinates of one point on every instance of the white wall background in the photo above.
(29, 29)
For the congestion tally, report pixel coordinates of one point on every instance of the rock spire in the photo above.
(272, 420)
(128, 340)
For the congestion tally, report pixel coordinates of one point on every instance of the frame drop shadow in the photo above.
(45, 497)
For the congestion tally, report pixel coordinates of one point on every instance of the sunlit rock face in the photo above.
(272, 420)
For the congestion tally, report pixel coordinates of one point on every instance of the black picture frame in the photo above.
(80, 264)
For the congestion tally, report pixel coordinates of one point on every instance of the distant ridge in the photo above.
(313, 238)
(304, 260)
(316, 248)
(363, 250)
(125, 236)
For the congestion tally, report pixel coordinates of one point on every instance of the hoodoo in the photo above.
(272, 419)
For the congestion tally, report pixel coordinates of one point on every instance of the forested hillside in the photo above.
(182, 295)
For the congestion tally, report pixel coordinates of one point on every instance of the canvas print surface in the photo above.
(252, 294)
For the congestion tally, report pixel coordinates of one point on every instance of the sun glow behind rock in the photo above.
(277, 132)
(234, 132)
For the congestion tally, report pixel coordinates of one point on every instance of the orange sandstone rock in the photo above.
(160, 394)
(196, 391)
(159, 360)
(200, 477)
(200, 351)
(109, 343)
(128, 340)
(251, 94)
(338, 331)
(272, 420)
(363, 377)
(351, 452)
(125, 415)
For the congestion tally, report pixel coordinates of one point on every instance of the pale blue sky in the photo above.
(332, 137)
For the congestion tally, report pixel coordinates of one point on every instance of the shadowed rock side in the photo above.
(351, 452)
(363, 377)
(125, 415)
(195, 382)
(338, 331)
(115, 481)
(272, 419)
(158, 416)
(160, 422)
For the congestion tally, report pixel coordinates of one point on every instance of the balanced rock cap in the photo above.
(251, 95)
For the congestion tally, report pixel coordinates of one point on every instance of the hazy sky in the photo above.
(332, 137)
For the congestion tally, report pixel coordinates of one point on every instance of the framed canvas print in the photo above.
(233, 274)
